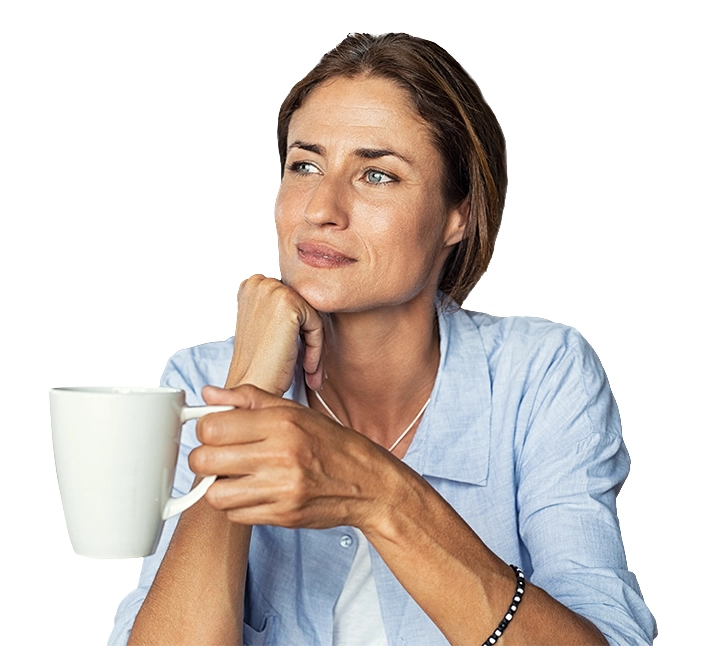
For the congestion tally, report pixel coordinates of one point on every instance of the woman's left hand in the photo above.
(288, 465)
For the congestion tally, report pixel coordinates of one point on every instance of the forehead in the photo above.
(369, 107)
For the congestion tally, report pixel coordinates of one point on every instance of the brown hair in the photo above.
(466, 132)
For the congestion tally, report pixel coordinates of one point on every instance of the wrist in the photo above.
(402, 496)
(238, 377)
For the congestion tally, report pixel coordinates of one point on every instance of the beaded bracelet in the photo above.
(517, 598)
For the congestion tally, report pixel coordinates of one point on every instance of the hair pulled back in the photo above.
(465, 130)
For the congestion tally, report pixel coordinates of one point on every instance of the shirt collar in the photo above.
(452, 441)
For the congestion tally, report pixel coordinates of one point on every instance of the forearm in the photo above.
(197, 594)
(460, 583)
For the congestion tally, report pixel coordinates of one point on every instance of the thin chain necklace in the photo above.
(402, 435)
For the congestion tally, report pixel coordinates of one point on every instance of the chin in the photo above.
(322, 297)
(338, 297)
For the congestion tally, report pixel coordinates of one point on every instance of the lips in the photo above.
(323, 256)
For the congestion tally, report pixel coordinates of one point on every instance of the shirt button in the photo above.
(346, 541)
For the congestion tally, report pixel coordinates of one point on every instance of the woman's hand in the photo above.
(271, 316)
(289, 465)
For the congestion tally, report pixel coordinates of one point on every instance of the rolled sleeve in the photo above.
(571, 467)
(129, 607)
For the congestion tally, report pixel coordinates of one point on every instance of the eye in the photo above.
(378, 177)
(303, 168)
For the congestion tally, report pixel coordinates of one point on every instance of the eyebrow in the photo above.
(364, 153)
(313, 148)
(376, 153)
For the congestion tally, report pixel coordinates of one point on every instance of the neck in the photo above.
(381, 367)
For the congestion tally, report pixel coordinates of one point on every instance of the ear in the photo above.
(456, 222)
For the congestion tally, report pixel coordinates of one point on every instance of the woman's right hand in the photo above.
(270, 318)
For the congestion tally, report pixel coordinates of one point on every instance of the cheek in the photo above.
(414, 235)
(282, 209)
(286, 209)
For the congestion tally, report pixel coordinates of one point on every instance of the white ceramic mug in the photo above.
(115, 453)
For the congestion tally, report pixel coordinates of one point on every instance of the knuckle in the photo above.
(286, 458)
(293, 520)
(236, 516)
(288, 421)
(193, 460)
(201, 460)
(295, 445)
(206, 430)
(253, 282)
(282, 299)
(214, 497)
(300, 491)
(297, 488)
(285, 297)
(247, 390)
(290, 514)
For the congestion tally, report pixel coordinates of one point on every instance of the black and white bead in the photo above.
(517, 598)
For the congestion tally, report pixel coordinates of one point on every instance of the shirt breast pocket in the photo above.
(261, 637)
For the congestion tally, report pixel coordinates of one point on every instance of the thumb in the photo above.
(243, 396)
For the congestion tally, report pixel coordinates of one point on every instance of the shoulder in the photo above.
(532, 364)
(192, 368)
(204, 354)
(519, 329)
(523, 338)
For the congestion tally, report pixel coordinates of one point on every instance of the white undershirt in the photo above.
(357, 620)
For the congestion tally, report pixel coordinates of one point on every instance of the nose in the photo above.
(327, 204)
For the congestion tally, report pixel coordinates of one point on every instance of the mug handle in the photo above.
(177, 505)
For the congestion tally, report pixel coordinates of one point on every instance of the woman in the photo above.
(431, 446)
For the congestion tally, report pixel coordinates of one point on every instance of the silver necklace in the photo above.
(402, 435)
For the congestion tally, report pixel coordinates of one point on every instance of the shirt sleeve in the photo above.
(571, 466)
(173, 377)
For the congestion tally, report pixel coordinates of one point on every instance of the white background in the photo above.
(138, 169)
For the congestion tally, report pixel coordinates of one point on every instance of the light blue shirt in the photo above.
(522, 437)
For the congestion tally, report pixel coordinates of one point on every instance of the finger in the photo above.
(234, 428)
(247, 504)
(236, 460)
(244, 425)
(260, 515)
(242, 492)
(231, 492)
(246, 501)
(206, 460)
(240, 446)
(315, 380)
(311, 327)
(244, 396)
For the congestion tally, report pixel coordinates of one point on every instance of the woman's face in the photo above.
(361, 218)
